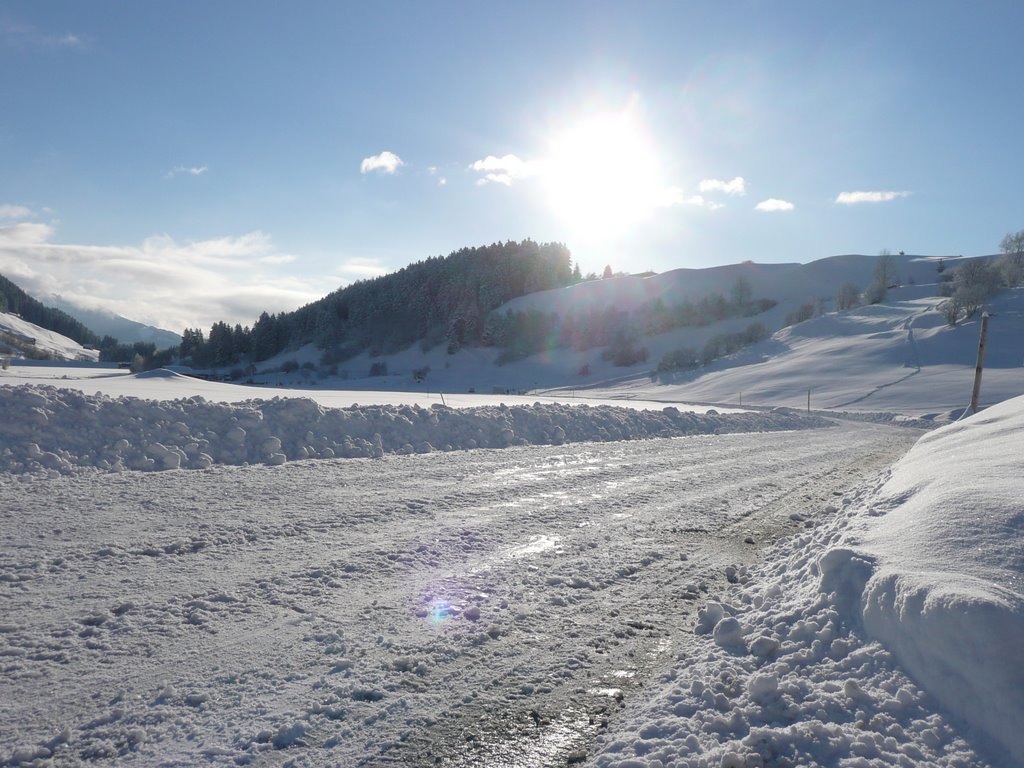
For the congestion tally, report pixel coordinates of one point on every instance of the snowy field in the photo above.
(168, 385)
(643, 588)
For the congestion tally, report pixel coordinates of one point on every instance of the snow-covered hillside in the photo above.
(899, 355)
(896, 356)
(20, 336)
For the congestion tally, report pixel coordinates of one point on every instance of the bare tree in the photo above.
(742, 293)
(884, 279)
(885, 270)
(974, 283)
(1012, 261)
(950, 310)
(848, 296)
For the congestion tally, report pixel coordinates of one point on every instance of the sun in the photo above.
(602, 176)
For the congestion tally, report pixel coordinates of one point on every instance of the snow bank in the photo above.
(60, 430)
(947, 591)
(905, 601)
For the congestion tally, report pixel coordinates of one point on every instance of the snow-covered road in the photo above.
(491, 607)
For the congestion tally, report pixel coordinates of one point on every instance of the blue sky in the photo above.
(186, 162)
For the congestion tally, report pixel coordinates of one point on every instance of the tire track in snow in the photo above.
(389, 612)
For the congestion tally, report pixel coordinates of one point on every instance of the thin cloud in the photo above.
(854, 198)
(282, 258)
(360, 268)
(25, 233)
(505, 170)
(178, 170)
(433, 171)
(162, 281)
(736, 186)
(385, 162)
(14, 212)
(773, 205)
(702, 202)
(674, 197)
(17, 35)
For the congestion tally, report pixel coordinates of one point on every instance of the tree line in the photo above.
(440, 300)
(525, 333)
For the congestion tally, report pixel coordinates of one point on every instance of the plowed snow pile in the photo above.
(48, 429)
(838, 650)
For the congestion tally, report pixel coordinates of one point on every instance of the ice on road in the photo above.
(493, 607)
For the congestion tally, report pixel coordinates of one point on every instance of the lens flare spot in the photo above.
(440, 611)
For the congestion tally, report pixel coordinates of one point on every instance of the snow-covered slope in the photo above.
(913, 589)
(896, 356)
(23, 335)
(899, 356)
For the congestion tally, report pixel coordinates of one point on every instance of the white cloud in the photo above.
(14, 212)
(853, 198)
(736, 186)
(773, 204)
(162, 281)
(187, 170)
(385, 162)
(504, 170)
(25, 233)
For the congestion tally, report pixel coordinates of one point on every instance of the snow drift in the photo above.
(49, 429)
(946, 594)
(909, 589)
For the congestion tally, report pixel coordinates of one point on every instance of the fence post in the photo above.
(981, 363)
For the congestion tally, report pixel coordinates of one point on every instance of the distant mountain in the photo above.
(107, 323)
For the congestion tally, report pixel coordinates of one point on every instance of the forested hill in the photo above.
(443, 299)
(13, 299)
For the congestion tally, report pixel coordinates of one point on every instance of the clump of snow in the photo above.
(837, 650)
(60, 430)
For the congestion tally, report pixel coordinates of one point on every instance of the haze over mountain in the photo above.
(103, 322)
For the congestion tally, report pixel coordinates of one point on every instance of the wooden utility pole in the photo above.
(981, 363)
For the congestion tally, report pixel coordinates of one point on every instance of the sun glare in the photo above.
(602, 176)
